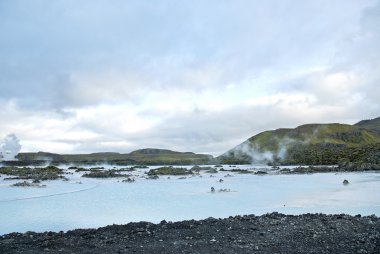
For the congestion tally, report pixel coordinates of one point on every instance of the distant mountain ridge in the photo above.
(311, 144)
(372, 124)
(147, 156)
(307, 144)
(155, 151)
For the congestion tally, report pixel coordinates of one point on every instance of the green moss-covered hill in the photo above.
(311, 144)
(147, 156)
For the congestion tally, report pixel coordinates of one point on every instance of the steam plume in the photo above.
(259, 155)
(9, 147)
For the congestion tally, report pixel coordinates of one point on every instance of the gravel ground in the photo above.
(270, 233)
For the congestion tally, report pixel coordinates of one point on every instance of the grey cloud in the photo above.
(47, 43)
(212, 132)
(356, 57)
(59, 56)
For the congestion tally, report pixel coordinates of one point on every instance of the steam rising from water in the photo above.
(258, 155)
(9, 147)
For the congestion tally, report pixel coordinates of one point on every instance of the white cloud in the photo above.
(191, 76)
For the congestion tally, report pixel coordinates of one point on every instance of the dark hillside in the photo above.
(309, 144)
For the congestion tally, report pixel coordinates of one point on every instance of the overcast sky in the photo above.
(201, 76)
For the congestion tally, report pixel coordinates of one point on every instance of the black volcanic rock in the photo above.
(270, 233)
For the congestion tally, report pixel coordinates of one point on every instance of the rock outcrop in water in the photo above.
(27, 184)
(36, 174)
(169, 171)
(103, 174)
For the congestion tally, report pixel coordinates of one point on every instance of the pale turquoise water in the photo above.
(68, 205)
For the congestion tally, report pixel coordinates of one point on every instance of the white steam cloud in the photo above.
(258, 155)
(9, 147)
(254, 152)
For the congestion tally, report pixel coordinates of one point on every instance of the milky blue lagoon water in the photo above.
(65, 205)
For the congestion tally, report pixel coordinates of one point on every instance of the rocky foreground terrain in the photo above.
(270, 233)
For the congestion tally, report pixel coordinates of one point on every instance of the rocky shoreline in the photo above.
(270, 233)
